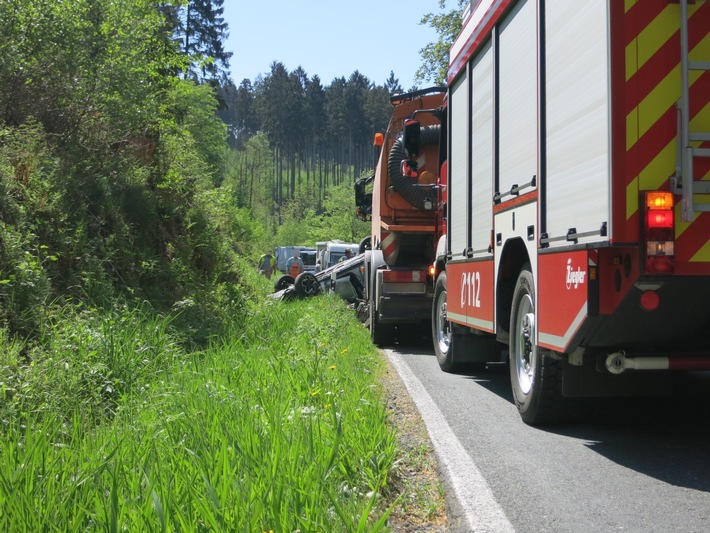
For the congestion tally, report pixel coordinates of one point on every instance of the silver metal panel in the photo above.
(577, 103)
(389, 289)
(482, 152)
(458, 166)
(518, 125)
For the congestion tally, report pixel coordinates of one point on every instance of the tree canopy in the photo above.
(435, 56)
(132, 167)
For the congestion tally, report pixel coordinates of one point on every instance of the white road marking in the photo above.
(481, 510)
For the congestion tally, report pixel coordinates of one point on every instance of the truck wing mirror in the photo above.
(411, 138)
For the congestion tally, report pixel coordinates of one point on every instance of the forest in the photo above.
(140, 352)
(132, 167)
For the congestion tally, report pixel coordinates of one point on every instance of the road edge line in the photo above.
(481, 510)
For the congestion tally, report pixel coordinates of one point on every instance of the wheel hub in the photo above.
(444, 328)
(527, 333)
(525, 348)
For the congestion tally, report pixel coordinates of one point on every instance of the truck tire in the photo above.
(441, 328)
(306, 284)
(457, 349)
(535, 376)
(283, 282)
(382, 334)
(365, 244)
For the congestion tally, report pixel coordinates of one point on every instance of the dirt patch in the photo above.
(416, 485)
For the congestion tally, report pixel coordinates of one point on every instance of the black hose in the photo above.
(411, 191)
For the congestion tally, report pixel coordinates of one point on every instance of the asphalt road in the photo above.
(626, 465)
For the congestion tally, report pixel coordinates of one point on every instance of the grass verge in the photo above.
(282, 425)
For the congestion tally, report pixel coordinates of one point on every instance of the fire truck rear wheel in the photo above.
(536, 378)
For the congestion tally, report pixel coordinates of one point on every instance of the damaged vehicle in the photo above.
(346, 279)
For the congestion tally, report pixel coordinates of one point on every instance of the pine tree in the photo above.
(202, 30)
(392, 85)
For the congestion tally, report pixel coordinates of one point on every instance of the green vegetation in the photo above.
(146, 382)
(278, 426)
(435, 56)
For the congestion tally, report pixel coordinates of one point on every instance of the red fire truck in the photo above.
(578, 224)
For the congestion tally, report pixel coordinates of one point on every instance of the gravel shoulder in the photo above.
(416, 483)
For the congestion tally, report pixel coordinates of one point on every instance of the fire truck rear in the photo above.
(406, 221)
(578, 242)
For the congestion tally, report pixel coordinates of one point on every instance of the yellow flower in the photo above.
(346, 350)
(331, 367)
(315, 393)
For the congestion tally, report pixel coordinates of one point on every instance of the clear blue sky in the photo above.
(330, 38)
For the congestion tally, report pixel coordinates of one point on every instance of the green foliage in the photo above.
(302, 223)
(125, 234)
(109, 164)
(87, 362)
(281, 426)
(435, 56)
(29, 216)
(194, 108)
(200, 28)
(338, 220)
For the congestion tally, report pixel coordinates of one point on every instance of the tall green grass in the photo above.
(279, 427)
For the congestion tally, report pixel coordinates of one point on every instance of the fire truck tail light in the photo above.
(659, 219)
(660, 264)
(659, 200)
(660, 248)
(659, 233)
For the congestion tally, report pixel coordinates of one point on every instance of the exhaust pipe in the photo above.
(618, 362)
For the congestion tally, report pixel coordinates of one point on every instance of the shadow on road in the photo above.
(666, 438)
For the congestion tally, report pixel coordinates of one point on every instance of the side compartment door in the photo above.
(458, 222)
(479, 280)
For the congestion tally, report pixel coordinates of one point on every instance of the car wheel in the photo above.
(283, 282)
(306, 284)
(365, 244)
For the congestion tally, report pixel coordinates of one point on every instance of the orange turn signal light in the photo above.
(659, 200)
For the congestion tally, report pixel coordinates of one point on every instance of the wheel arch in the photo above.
(513, 257)
(439, 258)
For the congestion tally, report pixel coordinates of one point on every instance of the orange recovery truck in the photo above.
(577, 245)
(403, 206)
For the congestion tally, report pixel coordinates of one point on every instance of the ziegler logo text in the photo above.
(574, 277)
